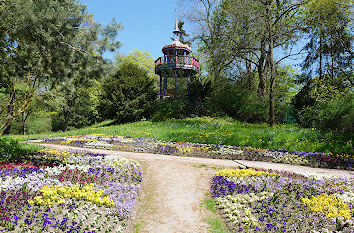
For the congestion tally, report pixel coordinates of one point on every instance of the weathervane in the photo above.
(177, 32)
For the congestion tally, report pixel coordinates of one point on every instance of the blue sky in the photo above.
(147, 25)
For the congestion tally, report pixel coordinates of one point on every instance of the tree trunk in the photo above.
(272, 66)
(67, 111)
(249, 74)
(24, 118)
(262, 71)
(332, 58)
(10, 114)
(320, 58)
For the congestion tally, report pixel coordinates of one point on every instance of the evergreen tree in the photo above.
(128, 95)
(50, 42)
(330, 33)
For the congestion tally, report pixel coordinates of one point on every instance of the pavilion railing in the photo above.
(178, 60)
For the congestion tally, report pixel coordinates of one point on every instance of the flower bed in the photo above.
(68, 191)
(313, 159)
(268, 201)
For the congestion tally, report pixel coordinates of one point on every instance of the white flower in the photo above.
(4, 184)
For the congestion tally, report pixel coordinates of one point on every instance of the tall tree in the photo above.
(328, 26)
(245, 33)
(142, 59)
(51, 42)
(200, 13)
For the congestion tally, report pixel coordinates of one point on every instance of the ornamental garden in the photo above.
(77, 191)
(68, 191)
(137, 144)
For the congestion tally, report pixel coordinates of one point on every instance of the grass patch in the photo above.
(11, 150)
(209, 205)
(216, 224)
(222, 131)
(207, 167)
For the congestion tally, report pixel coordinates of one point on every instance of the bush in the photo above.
(11, 150)
(235, 100)
(326, 104)
(171, 108)
(336, 114)
(128, 95)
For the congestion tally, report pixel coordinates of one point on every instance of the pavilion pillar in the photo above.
(164, 86)
(176, 84)
(160, 87)
(188, 84)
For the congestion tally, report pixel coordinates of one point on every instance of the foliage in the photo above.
(183, 34)
(326, 104)
(327, 24)
(128, 95)
(37, 122)
(193, 102)
(141, 59)
(244, 43)
(11, 150)
(238, 102)
(240, 38)
(84, 108)
(171, 108)
(51, 43)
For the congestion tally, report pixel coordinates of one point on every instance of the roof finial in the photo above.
(177, 32)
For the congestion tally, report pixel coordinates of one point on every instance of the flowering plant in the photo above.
(255, 201)
(86, 192)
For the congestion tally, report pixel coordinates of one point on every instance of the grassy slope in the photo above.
(222, 131)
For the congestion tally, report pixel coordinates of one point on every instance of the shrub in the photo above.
(327, 105)
(235, 100)
(171, 108)
(11, 150)
(128, 95)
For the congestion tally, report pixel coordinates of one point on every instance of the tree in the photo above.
(139, 58)
(326, 103)
(200, 13)
(50, 42)
(239, 35)
(128, 95)
(330, 34)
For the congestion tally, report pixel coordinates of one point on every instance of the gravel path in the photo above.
(174, 188)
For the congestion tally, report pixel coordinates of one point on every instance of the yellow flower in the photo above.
(330, 205)
(55, 194)
(242, 173)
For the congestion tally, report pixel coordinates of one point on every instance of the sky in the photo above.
(147, 25)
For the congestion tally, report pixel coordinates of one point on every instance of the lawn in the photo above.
(223, 131)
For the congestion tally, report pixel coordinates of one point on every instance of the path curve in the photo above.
(175, 186)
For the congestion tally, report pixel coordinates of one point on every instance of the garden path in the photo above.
(174, 188)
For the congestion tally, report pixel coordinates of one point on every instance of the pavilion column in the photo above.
(176, 84)
(164, 85)
(188, 84)
(160, 87)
